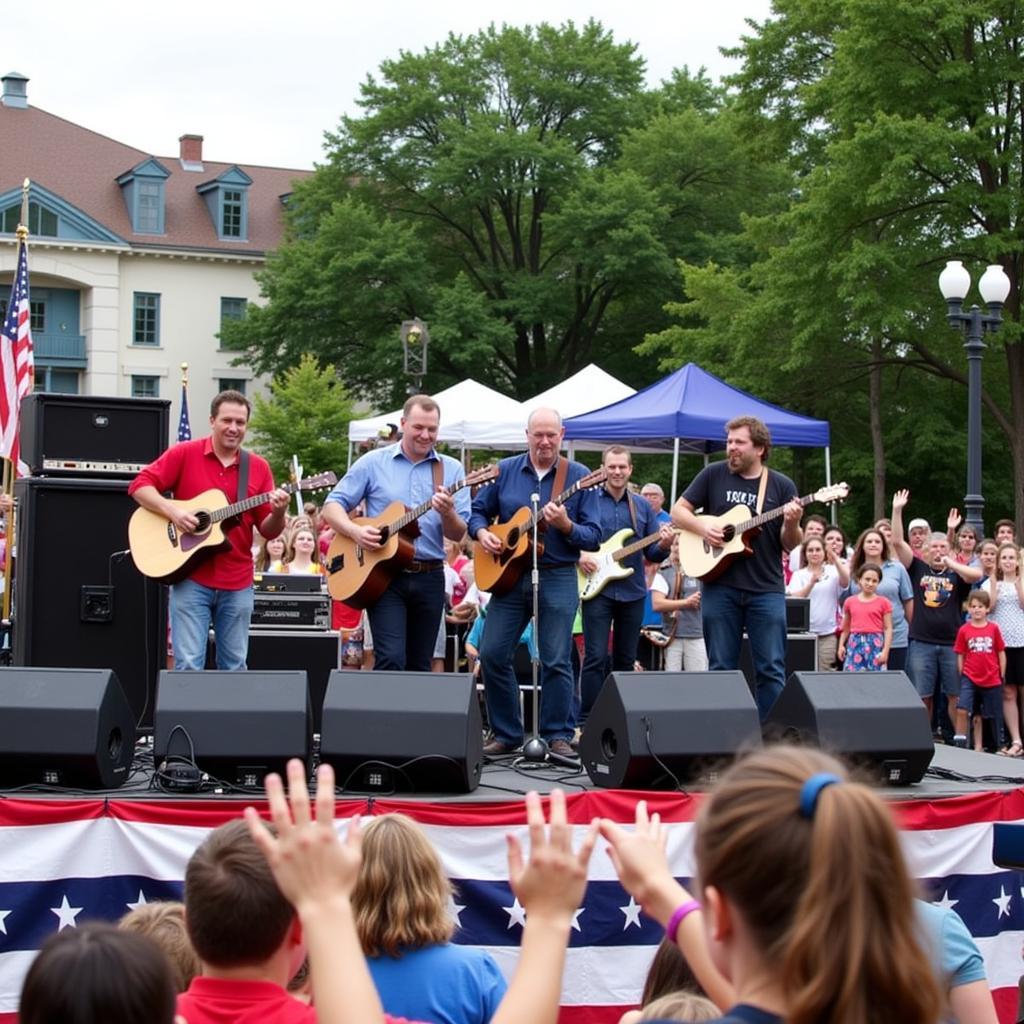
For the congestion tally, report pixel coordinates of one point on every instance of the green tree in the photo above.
(307, 415)
(902, 121)
(519, 191)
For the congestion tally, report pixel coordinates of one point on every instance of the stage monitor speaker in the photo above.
(650, 730)
(403, 732)
(235, 726)
(874, 719)
(64, 727)
(801, 656)
(80, 601)
(86, 435)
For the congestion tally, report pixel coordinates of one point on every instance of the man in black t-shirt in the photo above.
(749, 593)
(941, 585)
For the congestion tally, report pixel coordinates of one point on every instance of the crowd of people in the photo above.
(294, 924)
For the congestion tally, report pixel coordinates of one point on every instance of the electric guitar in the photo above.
(702, 560)
(609, 562)
(162, 552)
(497, 573)
(357, 575)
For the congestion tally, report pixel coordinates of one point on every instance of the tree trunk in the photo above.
(877, 439)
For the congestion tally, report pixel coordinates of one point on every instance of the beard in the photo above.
(741, 462)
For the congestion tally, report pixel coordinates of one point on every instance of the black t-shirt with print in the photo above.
(715, 490)
(938, 603)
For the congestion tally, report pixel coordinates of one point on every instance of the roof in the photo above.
(692, 405)
(82, 167)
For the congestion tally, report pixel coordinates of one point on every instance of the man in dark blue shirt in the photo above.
(619, 606)
(570, 528)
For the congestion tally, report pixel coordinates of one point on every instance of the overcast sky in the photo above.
(262, 82)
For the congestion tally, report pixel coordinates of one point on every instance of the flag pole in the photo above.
(10, 471)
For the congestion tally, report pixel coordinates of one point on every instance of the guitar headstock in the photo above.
(317, 483)
(836, 492)
(483, 475)
(594, 479)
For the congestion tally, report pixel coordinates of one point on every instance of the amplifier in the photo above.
(89, 435)
(798, 614)
(291, 611)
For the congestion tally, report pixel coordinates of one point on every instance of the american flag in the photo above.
(184, 427)
(17, 365)
(65, 862)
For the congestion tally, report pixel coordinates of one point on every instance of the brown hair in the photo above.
(979, 595)
(235, 397)
(289, 542)
(669, 972)
(1005, 522)
(617, 449)
(402, 896)
(868, 567)
(858, 558)
(1002, 547)
(760, 435)
(235, 913)
(164, 923)
(97, 973)
(424, 402)
(826, 897)
(682, 1006)
(263, 561)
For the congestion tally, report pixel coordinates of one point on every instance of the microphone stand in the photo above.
(536, 753)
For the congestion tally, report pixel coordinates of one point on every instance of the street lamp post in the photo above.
(415, 339)
(994, 286)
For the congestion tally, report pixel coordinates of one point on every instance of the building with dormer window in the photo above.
(136, 258)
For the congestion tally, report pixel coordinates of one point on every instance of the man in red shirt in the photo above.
(219, 590)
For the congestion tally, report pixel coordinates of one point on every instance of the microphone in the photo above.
(535, 499)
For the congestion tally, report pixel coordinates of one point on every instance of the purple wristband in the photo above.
(672, 928)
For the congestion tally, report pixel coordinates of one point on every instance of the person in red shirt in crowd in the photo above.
(219, 589)
(981, 659)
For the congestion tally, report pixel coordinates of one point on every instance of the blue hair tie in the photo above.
(811, 790)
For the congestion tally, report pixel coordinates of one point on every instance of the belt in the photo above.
(431, 566)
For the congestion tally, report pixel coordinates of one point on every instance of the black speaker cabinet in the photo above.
(875, 719)
(236, 726)
(403, 732)
(86, 435)
(801, 656)
(316, 651)
(64, 727)
(648, 729)
(798, 614)
(79, 600)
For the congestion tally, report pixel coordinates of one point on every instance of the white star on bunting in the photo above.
(1002, 901)
(66, 914)
(632, 913)
(516, 913)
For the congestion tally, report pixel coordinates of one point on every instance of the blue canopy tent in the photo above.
(687, 411)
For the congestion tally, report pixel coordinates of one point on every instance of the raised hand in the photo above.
(954, 519)
(900, 500)
(641, 863)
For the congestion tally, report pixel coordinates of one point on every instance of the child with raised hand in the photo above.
(806, 912)
(867, 625)
(317, 873)
(981, 661)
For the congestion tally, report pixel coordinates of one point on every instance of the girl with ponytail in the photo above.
(806, 911)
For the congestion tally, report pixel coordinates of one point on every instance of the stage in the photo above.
(69, 857)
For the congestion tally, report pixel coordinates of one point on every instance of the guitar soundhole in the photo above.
(202, 522)
(513, 537)
(385, 533)
(728, 533)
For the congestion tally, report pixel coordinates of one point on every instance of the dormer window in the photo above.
(143, 190)
(227, 199)
(41, 222)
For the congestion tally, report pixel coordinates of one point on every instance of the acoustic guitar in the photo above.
(164, 553)
(357, 575)
(702, 560)
(497, 573)
(609, 557)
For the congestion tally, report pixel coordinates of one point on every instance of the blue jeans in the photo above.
(931, 663)
(600, 614)
(193, 609)
(725, 611)
(507, 616)
(404, 621)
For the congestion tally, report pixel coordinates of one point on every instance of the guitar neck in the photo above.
(560, 500)
(245, 504)
(412, 514)
(767, 517)
(637, 545)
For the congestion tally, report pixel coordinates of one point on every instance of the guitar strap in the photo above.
(762, 489)
(438, 471)
(243, 474)
(632, 512)
(561, 472)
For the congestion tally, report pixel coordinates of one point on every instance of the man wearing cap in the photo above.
(918, 533)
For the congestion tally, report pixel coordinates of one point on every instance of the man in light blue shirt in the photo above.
(405, 619)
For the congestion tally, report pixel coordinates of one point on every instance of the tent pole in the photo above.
(675, 470)
(348, 465)
(833, 514)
